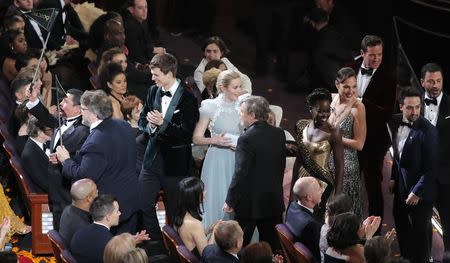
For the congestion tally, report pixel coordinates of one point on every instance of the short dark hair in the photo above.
(227, 233)
(318, 95)
(215, 63)
(257, 105)
(219, 42)
(257, 252)
(343, 232)
(370, 41)
(430, 67)
(340, 203)
(408, 92)
(76, 96)
(34, 126)
(376, 250)
(101, 206)
(189, 200)
(10, 19)
(345, 73)
(107, 74)
(165, 62)
(18, 84)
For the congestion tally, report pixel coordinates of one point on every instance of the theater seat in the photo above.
(58, 244)
(186, 256)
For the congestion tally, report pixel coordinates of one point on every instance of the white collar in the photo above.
(173, 88)
(94, 125)
(40, 144)
(364, 67)
(300, 204)
(438, 98)
(98, 223)
(74, 118)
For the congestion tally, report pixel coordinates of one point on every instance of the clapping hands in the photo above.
(370, 225)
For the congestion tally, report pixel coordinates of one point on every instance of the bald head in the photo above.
(81, 189)
(308, 191)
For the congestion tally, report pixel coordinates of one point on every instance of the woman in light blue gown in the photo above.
(221, 116)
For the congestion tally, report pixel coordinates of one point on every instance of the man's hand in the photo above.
(412, 199)
(52, 158)
(391, 186)
(4, 227)
(62, 154)
(155, 118)
(227, 209)
(390, 236)
(34, 94)
(141, 237)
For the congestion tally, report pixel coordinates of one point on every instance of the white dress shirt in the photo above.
(363, 81)
(64, 128)
(402, 136)
(309, 209)
(165, 100)
(41, 145)
(94, 125)
(431, 112)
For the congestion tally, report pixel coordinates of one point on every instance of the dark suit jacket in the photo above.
(72, 220)
(33, 39)
(173, 139)
(305, 227)
(415, 171)
(88, 243)
(108, 157)
(443, 127)
(256, 188)
(138, 40)
(36, 163)
(379, 100)
(213, 253)
(73, 137)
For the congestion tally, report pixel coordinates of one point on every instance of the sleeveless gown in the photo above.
(218, 166)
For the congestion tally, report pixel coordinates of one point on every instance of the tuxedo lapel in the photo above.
(443, 112)
(157, 100)
(412, 134)
(171, 109)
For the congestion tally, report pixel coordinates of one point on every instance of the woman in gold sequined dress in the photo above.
(316, 139)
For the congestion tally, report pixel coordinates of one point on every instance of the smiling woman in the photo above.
(114, 82)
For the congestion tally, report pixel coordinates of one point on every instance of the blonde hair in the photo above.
(108, 56)
(225, 77)
(210, 79)
(117, 247)
(28, 72)
(136, 255)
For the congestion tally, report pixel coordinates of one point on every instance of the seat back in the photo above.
(10, 148)
(4, 132)
(331, 259)
(92, 69)
(186, 256)
(58, 244)
(302, 254)
(95, 82)
(67, 257)
(171, 240)
(287, 242)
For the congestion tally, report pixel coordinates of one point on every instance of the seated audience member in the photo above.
(345, 234)
(97, 31)
(131, 109)
(140, 45)
(216, 63)
(89, 242)
(187, 218)
(339, 204)
(35, 153)
(114, 82)
(76, 215)
(260, 252)
(114, 36)
(299, 215)
(214, 49)
(377, 250)
(117, 247)
(21, 115)
(43, 82)
(210, 80)
(229, 238)
(17, 44)
(136, 255)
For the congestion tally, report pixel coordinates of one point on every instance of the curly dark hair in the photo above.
(343, 232)
(108, 73)
(318, 95)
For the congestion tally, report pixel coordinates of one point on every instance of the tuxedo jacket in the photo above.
(213, 253)
(88, 243)
(73, 138)
(379, 101)
(305, 227)
(35, 163)
(415, 170)
(108, 157)
(172, 139)
(256, 190)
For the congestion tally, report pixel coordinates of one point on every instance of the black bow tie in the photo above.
(430, 101)
(409, 124)
(46, 146)
(165, 93)
(367, 71)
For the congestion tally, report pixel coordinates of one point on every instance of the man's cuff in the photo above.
(32, 104)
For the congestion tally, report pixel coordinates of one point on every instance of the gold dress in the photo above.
(17, 226)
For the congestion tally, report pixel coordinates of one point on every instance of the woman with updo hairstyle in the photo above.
(117, 247)
(136, 255)
(215, 48)
(221, 117)
(187, 217)
(114, 82)
(17, 46)
(348, 114)
(210, 79)
(131, 109)
(316, 139)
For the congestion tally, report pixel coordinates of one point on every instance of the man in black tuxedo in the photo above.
(169, 117)
(437, 111)
(107, 156)
(413, 182)
(255, 192)
(229, 238)
(73, 134)
(299, 216)
(377, 89)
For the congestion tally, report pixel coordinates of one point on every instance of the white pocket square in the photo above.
(175, 112)
(448, 117)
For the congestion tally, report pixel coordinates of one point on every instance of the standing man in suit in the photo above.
(413, 181)
(299, 216)
(377, 89)
(255, 192)
(229, 237)
(169, 117)
(437, 111)
(107, 156)
(73, 132)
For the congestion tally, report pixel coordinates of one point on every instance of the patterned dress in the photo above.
(17, 226)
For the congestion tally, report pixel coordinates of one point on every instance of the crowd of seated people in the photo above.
(101, 151)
